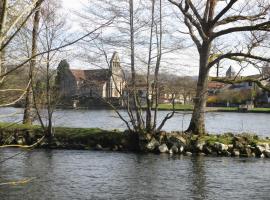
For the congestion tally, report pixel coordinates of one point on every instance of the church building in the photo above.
(93, 83)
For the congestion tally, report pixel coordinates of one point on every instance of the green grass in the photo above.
(69, 135)
(227, 138)
(181, 107)
(177, 107)
(225, 109)
(260, 110)
(211, 139)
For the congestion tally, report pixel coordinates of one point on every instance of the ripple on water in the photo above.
(62, 174)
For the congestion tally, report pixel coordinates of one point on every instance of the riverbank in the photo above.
(181, 107)
(244, 145)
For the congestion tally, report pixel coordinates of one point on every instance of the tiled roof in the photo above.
(91, 75)
(215, 85)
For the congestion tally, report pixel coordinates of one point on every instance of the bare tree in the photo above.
(27, 117)
(138, 34)
(53, 32)
(210, 21)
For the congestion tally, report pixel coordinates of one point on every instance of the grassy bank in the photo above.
(181, 107)
(95, 135)
(246, 145)
(67, 138)
(178, 107)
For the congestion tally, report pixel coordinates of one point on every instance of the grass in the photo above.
(261, 110)
(92, 136)
(89, 136)
(187, 107)
(227, 138)
(223, 109)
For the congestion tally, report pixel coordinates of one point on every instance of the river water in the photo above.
(216, 122)
(82, 175)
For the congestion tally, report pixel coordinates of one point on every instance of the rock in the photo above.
(221, 147)
(174, 149)
(21, 141)
(161, 136)
(124, 142)
(239, 142)
(163, 148)
(177, 140)
(148, 137)
(188, 153)
(99, 147)
(200, 145)
(181, 149)
(202, 154)
(236, 152)
(259, 150)
(226, 153)
(152, 145)
(9, 140)
(266, 146)
(246, 152)
(120, 147)
(170, 151)
(267, 153)
(58, 144)
(207, 149)
(115, 148)
(262, 156)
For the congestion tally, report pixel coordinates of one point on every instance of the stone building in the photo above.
(95, 83)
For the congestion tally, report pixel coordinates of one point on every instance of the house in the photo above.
(168, 90)
(105, 83)
(239, 93)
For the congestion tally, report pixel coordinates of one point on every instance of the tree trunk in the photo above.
(197, 123)
(3, 13)
(49, 133)
(27, 117)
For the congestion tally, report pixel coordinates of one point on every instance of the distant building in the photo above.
(245, 89)
(266, 72)
(214, 87)
(230, 72)
(95, 83)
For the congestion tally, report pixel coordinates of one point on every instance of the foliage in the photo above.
(234, 96)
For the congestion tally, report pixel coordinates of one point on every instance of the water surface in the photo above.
(216, 122)
(81, 175)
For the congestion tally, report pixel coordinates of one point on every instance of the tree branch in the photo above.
(193, 21)
(56, 49)
(265, 26)
(242, 80)
(222, 12)
(235, 55)
(192, 34)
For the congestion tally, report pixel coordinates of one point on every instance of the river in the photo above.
(216, 122)
(83, 175)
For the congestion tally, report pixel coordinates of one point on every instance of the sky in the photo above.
(188, 58)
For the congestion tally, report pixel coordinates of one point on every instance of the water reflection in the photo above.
(198, 178)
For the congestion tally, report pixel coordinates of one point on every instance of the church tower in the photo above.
(230, 72)
(116, 82)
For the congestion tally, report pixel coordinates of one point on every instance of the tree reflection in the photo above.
(198, 178)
